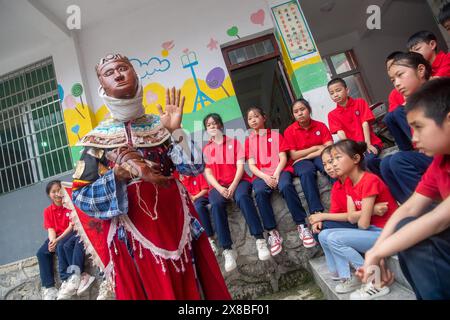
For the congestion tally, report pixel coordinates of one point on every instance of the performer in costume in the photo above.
(157, 248)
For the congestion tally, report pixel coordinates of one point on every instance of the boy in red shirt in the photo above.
(197, 187)
(425, 43)
(352, 120)
(422, 240)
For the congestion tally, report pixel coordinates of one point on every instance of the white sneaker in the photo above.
(230, 259)
(263, 251)
(70, 288)
(105, 291)
(348, 285)
(369, 292)
(49, 293)
(213, 246)
(85, 283)
(275, 241)
(306, 236)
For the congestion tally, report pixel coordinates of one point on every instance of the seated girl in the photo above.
(268, 162)
(305, 139)
(343, 246)
(225, 159)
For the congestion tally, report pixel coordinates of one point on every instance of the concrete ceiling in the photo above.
(95, 11)
(345, 17)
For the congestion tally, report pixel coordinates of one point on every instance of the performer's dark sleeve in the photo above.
(95, 190)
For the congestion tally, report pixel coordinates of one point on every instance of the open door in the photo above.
(259, 78)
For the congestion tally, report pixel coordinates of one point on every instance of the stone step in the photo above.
(323, 279)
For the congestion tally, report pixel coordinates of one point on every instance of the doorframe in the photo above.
(267, 35)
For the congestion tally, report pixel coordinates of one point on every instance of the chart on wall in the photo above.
(294, 30)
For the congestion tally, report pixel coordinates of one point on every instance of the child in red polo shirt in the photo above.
(421, 238)
(225, 173)
(395, 120)
(363, 190)
(197, 188)
(326, 223)
(352, 120)
(425, 43)
(305, 139)
(403, 170)
(267, 158)
(67, 246)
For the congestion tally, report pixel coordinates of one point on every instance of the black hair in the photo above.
(304, 102)
(433, 98)
(412, 60)
(352, 148)
(392, 56)
(326, 150)
(51, 184)
(337, 80)
(444, 14)
(258, 109)
(421, 36)
(216, 117)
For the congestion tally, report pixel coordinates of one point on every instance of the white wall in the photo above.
(190, 24)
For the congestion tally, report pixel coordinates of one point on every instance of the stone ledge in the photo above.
(323, 279)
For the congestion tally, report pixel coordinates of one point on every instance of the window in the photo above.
(33, 139)
(344, 65)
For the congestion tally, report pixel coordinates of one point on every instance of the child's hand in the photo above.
(380, 208)
(317, 227)
(223, 192)
(270, 181)
(315, 218)
(231, 189)
(372, 149)
(52, 245)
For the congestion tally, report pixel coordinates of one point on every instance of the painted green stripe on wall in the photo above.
(310, 77)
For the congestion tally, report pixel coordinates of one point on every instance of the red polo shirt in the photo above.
(338, 198)
(435, 183)
(194, 185)
(350, 119)
(57, 218)
(298, 138)
(222, 158)
(265, 148)
(441, 65)
(371, 185)
(395, 100)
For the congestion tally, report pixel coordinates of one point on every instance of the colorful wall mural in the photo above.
(200, 74)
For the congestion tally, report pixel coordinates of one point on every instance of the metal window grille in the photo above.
(33, 139)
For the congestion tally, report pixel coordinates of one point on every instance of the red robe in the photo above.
(162, 267)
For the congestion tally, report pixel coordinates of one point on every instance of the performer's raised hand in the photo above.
(172, 115)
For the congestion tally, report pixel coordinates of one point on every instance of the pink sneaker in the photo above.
(306, 236)
(275, 241)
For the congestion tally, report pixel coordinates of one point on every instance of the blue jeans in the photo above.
(306, 170)
(201, 205)
(70, 256)
(403, 171)
(426, 265)
(263, 193)
(399, 128)
(45, 260)
(334, 225)
(244, 200)
(343, 248)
